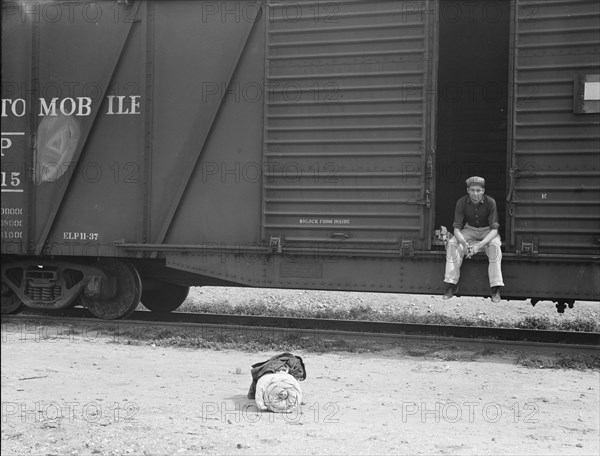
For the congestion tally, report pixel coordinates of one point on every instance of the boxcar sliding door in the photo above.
(554, 193)
(347, 140)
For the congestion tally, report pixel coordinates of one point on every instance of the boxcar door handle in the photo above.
(341, 235)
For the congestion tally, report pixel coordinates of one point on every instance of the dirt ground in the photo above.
(85, 395)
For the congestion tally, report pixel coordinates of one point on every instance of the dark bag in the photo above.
(284, 362)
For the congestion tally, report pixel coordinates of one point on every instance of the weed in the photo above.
(534, 322)
(580, 324)
(576, 362)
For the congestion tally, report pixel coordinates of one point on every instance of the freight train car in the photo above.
(150, 146)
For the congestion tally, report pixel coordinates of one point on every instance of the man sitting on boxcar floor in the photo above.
(475, 229)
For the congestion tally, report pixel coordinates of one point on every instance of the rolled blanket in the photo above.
(279, 392)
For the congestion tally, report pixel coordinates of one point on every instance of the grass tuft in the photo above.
(575, 362)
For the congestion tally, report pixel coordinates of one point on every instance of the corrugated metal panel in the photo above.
(346, 122)
(556, 153)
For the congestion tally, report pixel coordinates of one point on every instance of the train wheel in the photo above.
(127, 298)
(162, 296)
(10, 303)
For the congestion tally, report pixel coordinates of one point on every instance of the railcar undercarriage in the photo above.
(112, 289)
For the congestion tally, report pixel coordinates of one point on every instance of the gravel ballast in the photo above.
(392, 307)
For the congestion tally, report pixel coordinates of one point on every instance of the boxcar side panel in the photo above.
(16, 130)
(195, 50)
(222, 202)
(556, 152)
(68, 58)
(104, 199)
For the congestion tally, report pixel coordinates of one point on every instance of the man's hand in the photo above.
(469, 250)
(476, 248)
(473, 249)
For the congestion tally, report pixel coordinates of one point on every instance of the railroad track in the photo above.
(325, 328)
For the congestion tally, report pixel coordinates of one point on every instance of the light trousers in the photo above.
(455, 254)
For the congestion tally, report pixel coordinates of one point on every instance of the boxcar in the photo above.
(149, 146)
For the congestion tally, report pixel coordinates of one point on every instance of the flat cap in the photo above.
(475, 180)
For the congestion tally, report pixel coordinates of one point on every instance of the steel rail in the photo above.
(323, 327)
